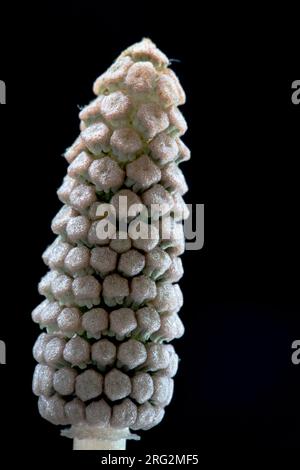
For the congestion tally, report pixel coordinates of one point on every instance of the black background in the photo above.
(236, 386)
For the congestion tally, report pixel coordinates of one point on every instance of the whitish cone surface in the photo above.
(112, 301)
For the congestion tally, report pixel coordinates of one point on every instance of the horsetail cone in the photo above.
(112, 300)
